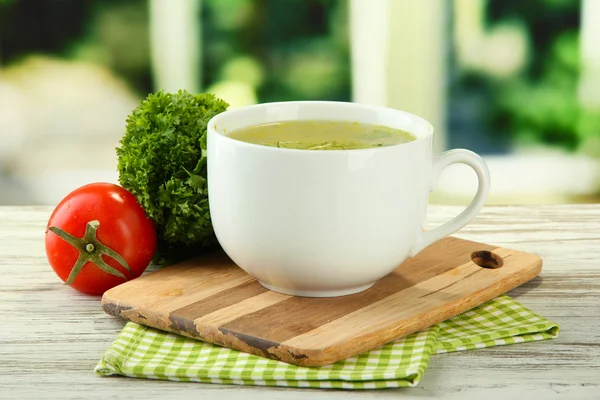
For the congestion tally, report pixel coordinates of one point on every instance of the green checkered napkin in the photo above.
(143, 352)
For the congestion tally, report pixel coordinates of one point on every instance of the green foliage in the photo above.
(162, 161)
(545, 108)
(542, 104)
(301, 45)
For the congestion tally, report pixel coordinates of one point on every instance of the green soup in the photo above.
(322, 135)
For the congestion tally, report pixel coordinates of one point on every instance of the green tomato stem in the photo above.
(91, 250)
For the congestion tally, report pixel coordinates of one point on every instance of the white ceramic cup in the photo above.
(326, 223)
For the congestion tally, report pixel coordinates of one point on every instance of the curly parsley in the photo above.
(162, 161)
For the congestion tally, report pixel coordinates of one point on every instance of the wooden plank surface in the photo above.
(51, 337)
(213, 300)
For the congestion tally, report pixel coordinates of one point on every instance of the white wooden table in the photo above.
(51, 337)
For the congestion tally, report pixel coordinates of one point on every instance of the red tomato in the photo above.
(98, 237)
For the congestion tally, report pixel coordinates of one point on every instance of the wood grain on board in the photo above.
(211, 299)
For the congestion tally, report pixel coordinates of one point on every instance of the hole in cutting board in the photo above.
(487, 259)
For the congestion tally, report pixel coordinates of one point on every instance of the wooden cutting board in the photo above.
(213, 300)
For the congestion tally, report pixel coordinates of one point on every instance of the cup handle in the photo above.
(440, 162)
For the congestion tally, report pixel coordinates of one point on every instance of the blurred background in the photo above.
(516, 81)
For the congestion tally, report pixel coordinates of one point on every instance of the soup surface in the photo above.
(322, 135)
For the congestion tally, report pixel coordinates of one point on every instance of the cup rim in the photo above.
(212, 125)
